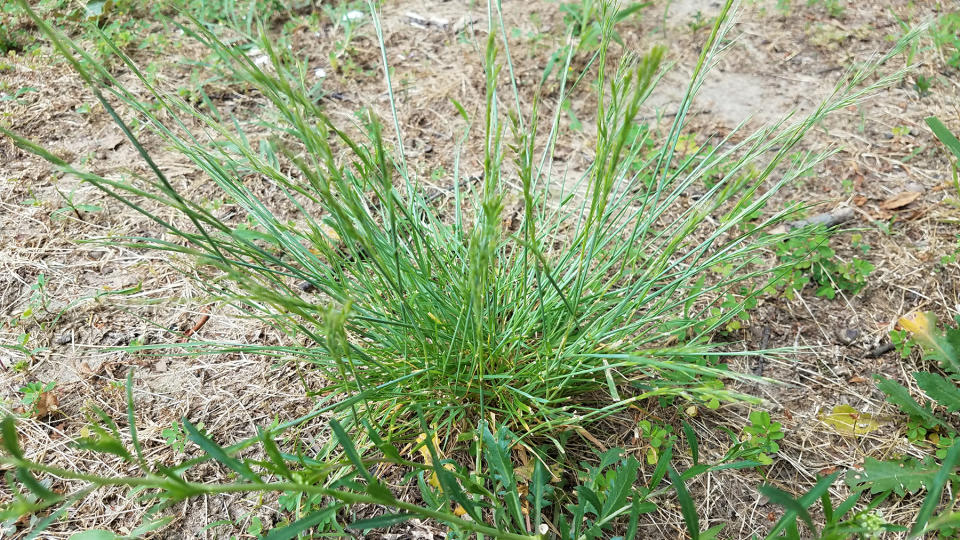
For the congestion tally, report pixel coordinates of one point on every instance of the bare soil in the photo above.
(778, 64)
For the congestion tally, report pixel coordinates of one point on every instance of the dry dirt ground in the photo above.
(779, 63)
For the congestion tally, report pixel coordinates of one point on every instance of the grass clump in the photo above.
(602, 297)
(606, 293)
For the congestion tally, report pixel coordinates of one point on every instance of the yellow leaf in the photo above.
(435, 480)
(428, 459)
(920, 325)
(424, 451)
(848, 421)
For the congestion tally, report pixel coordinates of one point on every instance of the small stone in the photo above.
(84, 369)
(422, 22)
(848, 335)
(462, 23)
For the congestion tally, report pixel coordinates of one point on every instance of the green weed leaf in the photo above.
(349, 449)
(587, 496)
(900, 477)
(380, 522)
(898, 395)
(276, 458)
(497, 454)
(626, 477)
(103, 442)
(95, 534)
(940, 389)
(935, 488)
(35, 486)
(538, 487)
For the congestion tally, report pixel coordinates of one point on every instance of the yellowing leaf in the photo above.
(424, 451)
(919, 324)
(848, 421)
(524, 472)
(428, 459)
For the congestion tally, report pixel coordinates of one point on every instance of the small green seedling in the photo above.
(834, 8)
(38, 300)
(175, 437)
(811, 260)
(922, 85)
(17, 96)
(901, 342)
(71, 208)
(946, 37)
(32, 392)
(762, 434)
(659, 438)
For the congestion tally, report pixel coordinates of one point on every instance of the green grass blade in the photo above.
(10, 442)
(691, 437)
(797, 507)
(784, 499)
(132, 420)
(946, 137)
(294, 529)
(217, 452)
(380, 522)
(687, 507)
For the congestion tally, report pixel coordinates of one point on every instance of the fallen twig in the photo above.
(196, 328)
(827, 219)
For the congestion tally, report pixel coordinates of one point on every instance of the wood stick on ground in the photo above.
(827, 219)
(196, 328)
